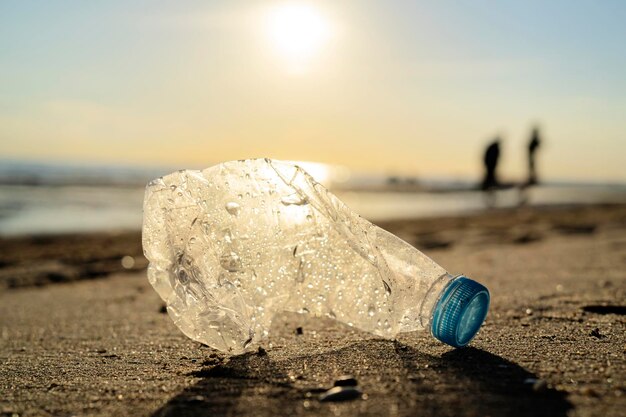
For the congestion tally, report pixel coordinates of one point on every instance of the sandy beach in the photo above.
(83, 333)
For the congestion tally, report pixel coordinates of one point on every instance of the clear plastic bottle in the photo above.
(235, 244)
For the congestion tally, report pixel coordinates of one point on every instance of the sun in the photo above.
(297, 32)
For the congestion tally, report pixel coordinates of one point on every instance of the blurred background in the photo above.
(489, 134)
(390, 104)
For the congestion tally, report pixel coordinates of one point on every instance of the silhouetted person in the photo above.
(534, 143)
(492, 154)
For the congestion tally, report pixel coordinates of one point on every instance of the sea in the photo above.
(39, 199)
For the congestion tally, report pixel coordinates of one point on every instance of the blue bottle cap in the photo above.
(460, 311)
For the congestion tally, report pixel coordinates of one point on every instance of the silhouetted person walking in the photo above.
(534, 143)
(492, 154)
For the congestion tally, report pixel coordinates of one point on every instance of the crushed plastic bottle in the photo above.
(235, 244)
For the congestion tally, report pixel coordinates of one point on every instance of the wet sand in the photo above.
(83, 335)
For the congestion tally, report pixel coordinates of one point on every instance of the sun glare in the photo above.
(297, 32)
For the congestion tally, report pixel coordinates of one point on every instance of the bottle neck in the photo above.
(432, 297)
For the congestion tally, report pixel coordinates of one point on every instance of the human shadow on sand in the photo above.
(396, 378)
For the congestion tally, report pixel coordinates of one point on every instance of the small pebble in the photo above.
(163, 309)
(346, 381)
(261, 352)
(596, 333)
(128, 262)
(299, 331)
(529, 311)
(341, 394)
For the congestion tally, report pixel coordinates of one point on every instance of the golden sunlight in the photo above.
(325, 174)
(297, 32)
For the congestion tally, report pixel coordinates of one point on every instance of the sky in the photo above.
(403, 87)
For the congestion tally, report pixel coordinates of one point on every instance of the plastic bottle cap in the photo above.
(460, 312)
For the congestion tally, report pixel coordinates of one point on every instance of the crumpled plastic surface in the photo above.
(235, 244)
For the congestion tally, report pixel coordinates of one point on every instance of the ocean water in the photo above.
(53, 209)
(40, 198)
